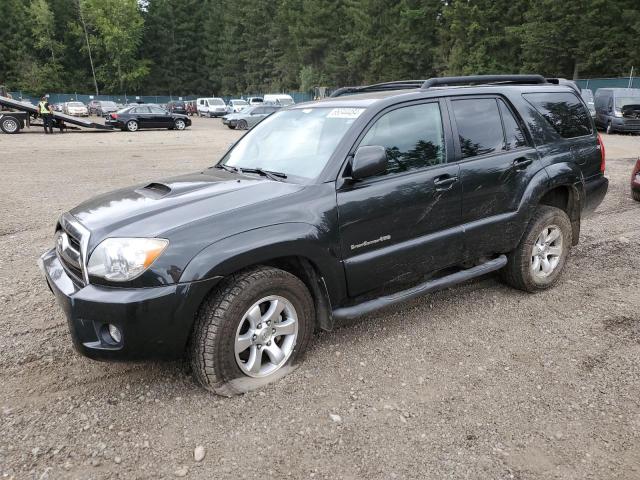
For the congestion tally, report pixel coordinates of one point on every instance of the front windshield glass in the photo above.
(624, 101)
(295, 142)
(216, 101)
(239, 102)
(75, 104)
(109, 104)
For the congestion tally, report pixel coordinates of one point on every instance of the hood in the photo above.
(154, 208)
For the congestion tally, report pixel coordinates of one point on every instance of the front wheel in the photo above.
(251, 330)
(132, 126)
(179, 124)
(10, 125)
(538, 260)
(609, 127)
(241, 125)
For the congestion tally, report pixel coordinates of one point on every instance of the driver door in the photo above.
(405, 223)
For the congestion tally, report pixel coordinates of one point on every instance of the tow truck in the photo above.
(16, 115)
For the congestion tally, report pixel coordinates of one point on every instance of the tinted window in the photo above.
(479, 126)
(141, 110)
(413, 137)
(512, 131)
(157, 110)
(566, 114)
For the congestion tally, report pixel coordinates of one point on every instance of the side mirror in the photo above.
(369, 161)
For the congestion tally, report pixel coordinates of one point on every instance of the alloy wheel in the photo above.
(546, 251)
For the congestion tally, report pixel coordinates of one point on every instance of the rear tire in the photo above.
(636, 195)
(241, 125)
(538, 260)
(225, 352)
(10, 125)
(132, 126)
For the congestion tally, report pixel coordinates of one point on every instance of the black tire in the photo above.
(10, 125)
(132, 126)
(518, 272)
(211, 349)
(609, 128)
(241, 125)
(179, 124)
(636, 195)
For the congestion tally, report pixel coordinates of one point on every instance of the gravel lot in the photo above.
(478, 381)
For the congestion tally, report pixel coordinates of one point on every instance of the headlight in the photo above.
(618, 113)
(123, 259)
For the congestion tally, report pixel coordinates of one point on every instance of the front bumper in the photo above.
(625, 125)
(155, 322)
(594, 189)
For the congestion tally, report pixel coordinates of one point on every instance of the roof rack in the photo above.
(379, 87)
(485, 80)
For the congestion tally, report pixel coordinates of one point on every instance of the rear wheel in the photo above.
(538, 260)
(241, 125)
(636, 195)
(250, 330)
(132, 126)
(10, 125)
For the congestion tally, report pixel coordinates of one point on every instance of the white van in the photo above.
(279, 99)
(211, 107)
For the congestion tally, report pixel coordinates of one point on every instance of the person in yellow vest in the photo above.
(45, 110)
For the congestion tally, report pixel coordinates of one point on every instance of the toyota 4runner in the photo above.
(330, 210)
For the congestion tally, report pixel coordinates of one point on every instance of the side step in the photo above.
(347, 313)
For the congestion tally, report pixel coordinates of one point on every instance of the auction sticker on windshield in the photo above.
(345, 113)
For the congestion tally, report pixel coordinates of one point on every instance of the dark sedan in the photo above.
(177, 107)
(133, 118)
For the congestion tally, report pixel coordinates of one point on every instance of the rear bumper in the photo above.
(595, 190)
(154, 322)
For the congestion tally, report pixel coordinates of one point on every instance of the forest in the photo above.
(222, 47)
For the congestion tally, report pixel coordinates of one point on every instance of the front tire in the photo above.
(609, 128)
(538, 260)
(10, 125)
(180, 124)
(241, 125)
(248, 331)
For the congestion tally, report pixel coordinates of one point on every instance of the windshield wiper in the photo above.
(277, 176)
(227, 168)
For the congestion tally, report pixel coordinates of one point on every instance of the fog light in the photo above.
(115, 333)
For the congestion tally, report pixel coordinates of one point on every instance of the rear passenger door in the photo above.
(143, 115)
(405, 223)
(497, 162)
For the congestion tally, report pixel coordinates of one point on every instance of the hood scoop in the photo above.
(155, 190)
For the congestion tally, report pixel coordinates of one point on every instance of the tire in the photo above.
(180, 124)
(609, 128)
(223, 319)
(132, 126)
(10, 125)
(241, 125)
(522, 271)
(636, 195)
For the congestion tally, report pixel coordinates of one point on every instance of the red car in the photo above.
(635, 182)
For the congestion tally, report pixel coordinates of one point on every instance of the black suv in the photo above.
(330, 210)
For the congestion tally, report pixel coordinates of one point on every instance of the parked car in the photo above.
(618, 109)
(211, 107)
(255, 100)
(279, 99)
(635, 181)
(58, 107)
(147, 116)
(101, 107)
(587, 96)
(327, 211)
(77, 109)
(177, 107)
(236, 105)
(249, 117)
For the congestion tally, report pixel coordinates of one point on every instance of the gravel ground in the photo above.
(478, 381)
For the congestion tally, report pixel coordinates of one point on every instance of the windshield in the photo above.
(216, 101)
(109, 104)
(295, 142)
(75, 104)
(624, 101)
(238, 102)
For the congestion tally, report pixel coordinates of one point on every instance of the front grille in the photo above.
(69, 243)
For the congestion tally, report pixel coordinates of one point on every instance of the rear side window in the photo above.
(479, 126)
(513, 134)
(413, 137)
(564, 111)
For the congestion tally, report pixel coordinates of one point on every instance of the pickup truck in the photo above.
(326, 211)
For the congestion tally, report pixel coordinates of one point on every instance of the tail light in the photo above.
(602, 154)
(636, 170)
(114, 116)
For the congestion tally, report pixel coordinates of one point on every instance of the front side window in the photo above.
(157, 110)
(479, 126)
(413, 137)
(566, 114)
(296, 142)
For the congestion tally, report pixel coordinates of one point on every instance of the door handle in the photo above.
(444, 182)
(522, 163)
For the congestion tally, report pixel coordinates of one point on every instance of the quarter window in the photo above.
(413, 137)
(479, 126)
(564, 111)
(513, 133)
